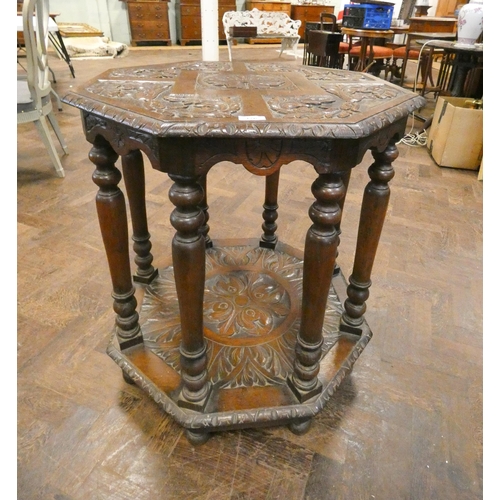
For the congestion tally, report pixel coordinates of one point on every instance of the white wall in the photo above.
(110, 16)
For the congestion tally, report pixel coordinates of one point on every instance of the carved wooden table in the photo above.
(237, 334)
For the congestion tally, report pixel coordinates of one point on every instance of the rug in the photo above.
(91, 47)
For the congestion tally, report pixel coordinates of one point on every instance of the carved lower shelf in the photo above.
(251, 321)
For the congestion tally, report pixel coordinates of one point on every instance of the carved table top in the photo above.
(245, 99)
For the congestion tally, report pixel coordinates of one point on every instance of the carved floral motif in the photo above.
(251, 319)
(233, 81)
(154, 96)
(244, 304)
(137, 93)
(263, 154)
(168, 73)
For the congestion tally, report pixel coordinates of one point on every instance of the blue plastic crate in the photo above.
(368, 16)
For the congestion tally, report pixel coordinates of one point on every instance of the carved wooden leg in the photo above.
(204, 206)
(196, 437)
(270, 214)
(188, 255)
(301, 426)
(133, 174)
(373, 210)
(112, 216)
(346, 177)
(319, 262)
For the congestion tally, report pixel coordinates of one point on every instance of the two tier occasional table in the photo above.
(239, 334)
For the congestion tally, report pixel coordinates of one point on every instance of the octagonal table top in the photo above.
(245, 99)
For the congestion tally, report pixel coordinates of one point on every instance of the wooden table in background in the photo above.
(461, 70)
(367, 38)
(244, 333)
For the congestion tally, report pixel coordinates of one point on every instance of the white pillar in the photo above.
(210, 30)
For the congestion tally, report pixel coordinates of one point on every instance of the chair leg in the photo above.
(403, 71)
(57, 130)
(57, 98)
(44, 132)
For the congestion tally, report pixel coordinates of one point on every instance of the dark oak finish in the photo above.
(172, 113)
(406, 423)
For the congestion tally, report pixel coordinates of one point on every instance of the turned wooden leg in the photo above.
(319, 262)
(133, 174)
(188, 255)
(112, 215)
(346, 177)
(196, 437)
(373, 210)
(205, 228)
(270, 214)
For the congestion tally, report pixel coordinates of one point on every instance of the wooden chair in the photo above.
(412, 51)
(332, 21)
(381, 58)
(323, 49)
(34, 89)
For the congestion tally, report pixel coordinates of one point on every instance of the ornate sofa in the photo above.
(270, 24)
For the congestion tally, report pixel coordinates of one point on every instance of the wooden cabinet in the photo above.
(148, 20)
(428, 24)
(309, 13)
(189, 14)
(447, 8)
(273, 6)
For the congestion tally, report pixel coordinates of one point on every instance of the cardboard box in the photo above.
(456, 135)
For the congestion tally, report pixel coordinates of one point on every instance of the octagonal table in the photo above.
(239, 334)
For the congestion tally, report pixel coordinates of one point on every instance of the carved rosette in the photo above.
(251, 316)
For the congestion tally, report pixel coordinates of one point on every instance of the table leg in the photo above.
(188, 255)
(373, 210)
(133, 174)
(270, 213)
(361, 64)
(346, 177)
(204, 206)
(426, 69)
(461, 66)
(112, 215)
(319, 263)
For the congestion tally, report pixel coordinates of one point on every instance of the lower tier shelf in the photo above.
(252, 308)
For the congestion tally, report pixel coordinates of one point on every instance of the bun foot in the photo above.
(128, 379)
(300, 427)
(196, 437)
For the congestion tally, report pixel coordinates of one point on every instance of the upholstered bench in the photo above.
(269, 24)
